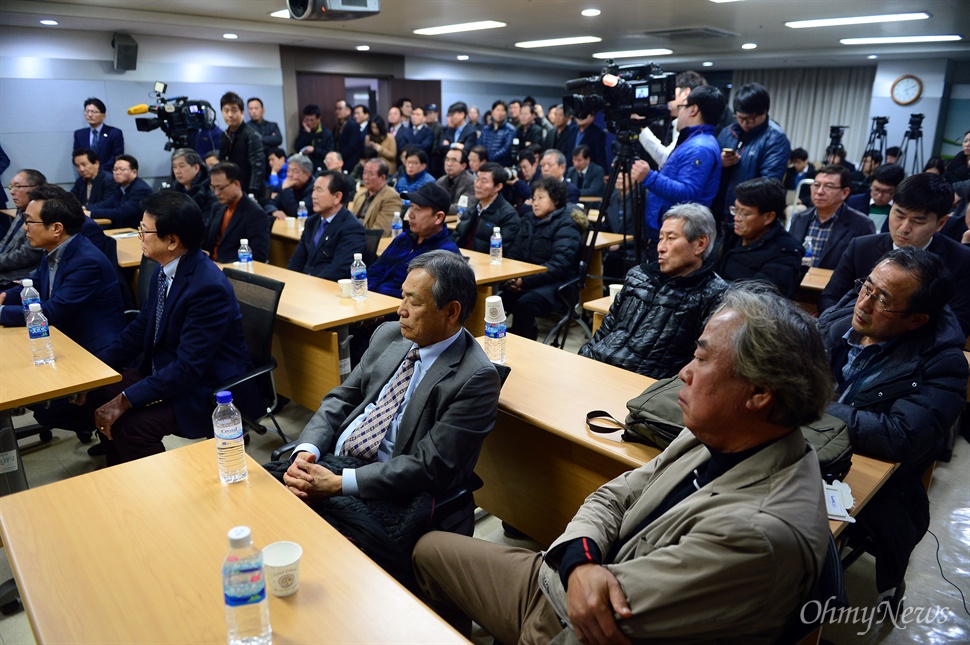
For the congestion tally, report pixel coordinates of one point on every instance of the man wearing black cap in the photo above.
(429, 205)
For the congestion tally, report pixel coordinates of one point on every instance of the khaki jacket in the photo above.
(381, 210)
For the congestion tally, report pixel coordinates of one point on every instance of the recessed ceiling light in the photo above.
(462, 56)
(895, 40)
(281, 13)
(723, 1)
(633, 53)
(872, 57)
(363, 48)
(591, 13)
(707, 63)
(556, 42)
(749, 46)
(857, 20)
(465, 26)
(49, 22)
(230, 36)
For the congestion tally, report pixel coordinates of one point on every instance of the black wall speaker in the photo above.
(126, 52)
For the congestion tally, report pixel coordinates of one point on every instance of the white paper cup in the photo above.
(494, 309)
(614, 290)
(281, 566)
(346, 285)
(290, 222)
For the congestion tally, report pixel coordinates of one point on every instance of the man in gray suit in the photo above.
(721, 537)
(429, 442)
(18, 258)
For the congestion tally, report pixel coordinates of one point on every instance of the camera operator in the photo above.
(693, 169)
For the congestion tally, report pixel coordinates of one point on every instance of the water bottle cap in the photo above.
(398, 213)
(240, 537)
(358, 256)
(224, 397)
(27, 282)
(494, 309)
(243, 241)
(463, 201)
(35, 306)
(497, 229)
(302, 204)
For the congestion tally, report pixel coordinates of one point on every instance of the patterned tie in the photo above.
(159, 308)
(366, 438)
(319, 234)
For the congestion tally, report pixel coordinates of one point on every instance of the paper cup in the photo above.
(494, 309)
(281, 566)
(290, 222)
(614, 291)
(346, 285)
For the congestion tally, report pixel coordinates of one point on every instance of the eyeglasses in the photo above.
(92, 111)
(682, 106)
(747, 119)
(221, 188)
(826, 187)
(28, 222)
(882, 191)
(142, 231)
(863, 285)
(741, 215)
(13, 187)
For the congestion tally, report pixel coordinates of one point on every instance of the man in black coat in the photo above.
(237, 217)
(94, 187)
(920, 210)
(126, 210)
(242, 145)
(332, 234)
(347, 135)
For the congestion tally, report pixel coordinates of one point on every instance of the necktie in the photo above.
(94, 137)
(319, 234)
(87, 195)
(159, 308)
(366, 438)
(579, 180)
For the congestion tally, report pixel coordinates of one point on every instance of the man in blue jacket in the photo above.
(693, 170)
(497, 138)
(125, 211)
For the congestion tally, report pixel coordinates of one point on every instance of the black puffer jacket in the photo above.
(775, 258)
(499, 213)
(201, 193)
(655, 321)
(552, 242)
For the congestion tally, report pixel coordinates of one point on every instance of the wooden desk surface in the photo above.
(73, 370)
(283, 232)
(133, 554)
(599, 306)
(9, 212)
(485, 272)
(129, 246)
(865, 478)
(816, 279)
(606, 240)
(315, 304)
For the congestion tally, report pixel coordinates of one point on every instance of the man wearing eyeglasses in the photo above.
(236, 217)
(878, 200)
(827, 228)
(895, 348)
(17, 257)
(919, 211)
(107, 142)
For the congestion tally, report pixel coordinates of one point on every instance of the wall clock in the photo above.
(906, 89)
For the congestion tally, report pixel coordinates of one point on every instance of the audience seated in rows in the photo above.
(550, 237)
(276, 159)
(720, 538)
(655, 320)
(877, 201)
(896, 351)
(490, 210)
(415, 171)
(798, 169)
(236, 218)
(296, 187)
(18, 258)
(829, 226)
(587, 176)
(332, 234)
(553, 164)
(375, 203)
(125, 211)
(94, 187)
(457, 180)
(192, 178)
(757, 246)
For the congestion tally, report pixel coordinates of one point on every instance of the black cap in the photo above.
(432, 195)
(431, 107)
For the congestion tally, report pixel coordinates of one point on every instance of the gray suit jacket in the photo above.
(20, 258)
(449, 415)
(686, 581)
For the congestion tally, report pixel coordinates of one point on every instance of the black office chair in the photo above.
(373, 240)
(829, 592)
(569, 294)
(259, 298)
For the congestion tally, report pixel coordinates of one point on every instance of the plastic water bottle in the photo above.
(462, 207)
(301, 215)
(227, 427)
(252, 197)
(495, 329)
(40, 336)
(495, 246)
(28, 295)
(405, 206)
(807, 258)
(245, 255)
(244, 589)
(396, 224)
(358, 273)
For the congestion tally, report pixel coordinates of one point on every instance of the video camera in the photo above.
(835, 138)
(621, 93)
(916, 126)
(177, 117)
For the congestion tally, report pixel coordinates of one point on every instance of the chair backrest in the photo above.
(373, 240)
(259, 298)
(145, 271)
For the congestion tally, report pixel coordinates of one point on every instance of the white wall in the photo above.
(46, 74)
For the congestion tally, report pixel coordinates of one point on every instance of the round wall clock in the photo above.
(906, 89)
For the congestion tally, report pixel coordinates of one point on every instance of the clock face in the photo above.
(906, 90)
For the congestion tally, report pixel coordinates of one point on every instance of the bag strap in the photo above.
(600, 428)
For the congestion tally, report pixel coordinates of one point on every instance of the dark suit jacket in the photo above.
(331, 260)
(403, 137)
(595, 138)
(350, 143)
(468, 137)
(126, 210)
(111, 143)
(593, 181)
(248, 221)
(104, 191)
(423, 138)
(450, 413)
(85, 302)
(861, 203)
(563, 141)
(851, 223)
(862, 254)
(200, 346)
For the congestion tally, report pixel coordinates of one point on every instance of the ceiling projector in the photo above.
(333, 9)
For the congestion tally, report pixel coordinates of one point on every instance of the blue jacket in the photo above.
(200, 346)
(406, 184)
(498, 142)
(389, 272)
(126, 210)
(86, 300)
(692, 174)
(110, 144)
(331, 259)
(764, 153)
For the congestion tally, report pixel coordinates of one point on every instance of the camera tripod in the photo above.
(877, 136)
(913, 135)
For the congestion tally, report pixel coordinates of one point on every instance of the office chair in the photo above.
(569, 294)
(372, 239)
(259, 298)
(829, 592)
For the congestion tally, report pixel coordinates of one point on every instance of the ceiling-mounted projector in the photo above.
(333, 9)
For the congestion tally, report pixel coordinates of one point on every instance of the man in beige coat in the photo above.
(375, 203)
(721, 537)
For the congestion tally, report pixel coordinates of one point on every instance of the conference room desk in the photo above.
(594, 286)
(813, 283)
(600, 307)
(133, 554)
(311, 320)
(9, 212)
(282, 243)
(129, 246)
